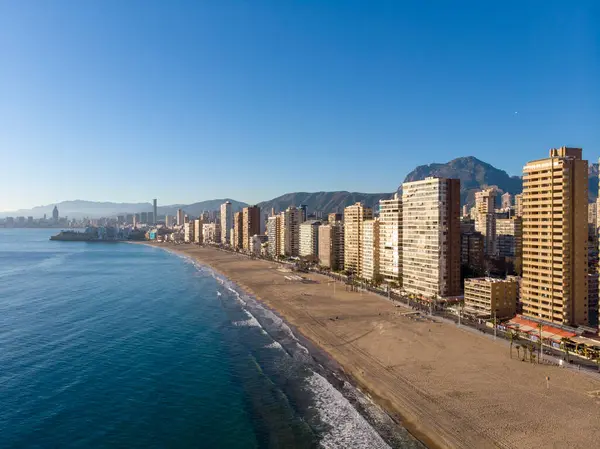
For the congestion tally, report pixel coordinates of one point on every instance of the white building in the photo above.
(188, 232)
(370, 249)
(390, 239)
(431, 237)
(211, 233)
(274, 235)
(309, 238)
(226, 221)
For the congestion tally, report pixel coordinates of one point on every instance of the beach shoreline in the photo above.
(414, 382)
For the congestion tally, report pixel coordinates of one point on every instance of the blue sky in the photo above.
(187, 101)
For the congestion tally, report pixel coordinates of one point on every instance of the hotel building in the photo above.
(370, 249)
(354, 217)
(390, 239)
(226, 221)
(309, 238)
(555, 233)
(250, 225)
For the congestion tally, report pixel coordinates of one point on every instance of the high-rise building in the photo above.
(180, 217)
(289, 239)
(129, 219)
(211, 232)
(303, 212)
(369, 268)
(331, 245)
(471, 251)
(154, 211)
(309, 238)
(250, 224)
(506, 200)
(390, 240)
(488, 298)
(593, 299)
(431, 237)
(465, 210)
(555, 233)
(198, 234)
(188, 232)
(136, 220)
(238, 224)
(55, 214)
(485, 218)
(144, 217)
(274, 234)
(519, 204)
(151, 218)
(354, 217)
(226, 221)
(509, 235)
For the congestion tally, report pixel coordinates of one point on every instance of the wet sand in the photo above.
(448, 386)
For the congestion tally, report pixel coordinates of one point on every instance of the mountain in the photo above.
(196, 209)
(81, 208)
(473, 174)
(323, 201)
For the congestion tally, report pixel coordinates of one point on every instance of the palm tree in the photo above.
(518, 347)
(514, 337)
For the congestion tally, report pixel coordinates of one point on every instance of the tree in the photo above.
(518, 347)
(377, 280)
(514, 337)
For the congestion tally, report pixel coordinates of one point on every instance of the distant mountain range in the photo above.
(473, 173)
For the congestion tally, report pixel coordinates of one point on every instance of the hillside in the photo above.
(473, 174)
(323, 201)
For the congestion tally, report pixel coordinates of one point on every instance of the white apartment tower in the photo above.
(370, 250)
(226, 221)
(309, 238)
(390, 239)
(431, 237)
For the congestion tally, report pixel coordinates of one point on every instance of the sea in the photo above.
(129, 346)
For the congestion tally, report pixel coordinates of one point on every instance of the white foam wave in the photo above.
(274, 345)
(348, 429)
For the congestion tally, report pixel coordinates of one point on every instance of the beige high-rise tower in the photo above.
(485, 219)
(390, 240)
(555, 197)
(354, 216)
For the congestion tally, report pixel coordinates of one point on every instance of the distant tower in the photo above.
(303, 212)
(155, 211)
(55, 213)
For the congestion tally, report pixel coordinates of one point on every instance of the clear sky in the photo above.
(186, 101)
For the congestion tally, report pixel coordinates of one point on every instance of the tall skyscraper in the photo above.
(238, 224)
(180, 217)
(251, 224)
(369, 268)
(303, 212)
(274, 235)
(289, 240)
(309, 238)
(226, 221)
(555, 233)
(55, 214)
(390, 228)
(354, 217)
(155, 210)
(331, 245)
(431, 237)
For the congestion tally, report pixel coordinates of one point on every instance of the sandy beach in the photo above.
(448, 386)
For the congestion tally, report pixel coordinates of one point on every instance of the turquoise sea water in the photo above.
(118, 345)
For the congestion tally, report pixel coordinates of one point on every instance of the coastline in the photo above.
(442, 397)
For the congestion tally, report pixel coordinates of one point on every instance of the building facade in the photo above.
(555, 233)
(188, 232)
(226, 221)
(180, 217)
(489, 298)
(198, 232)
(309, 238)
(354, 217)
(485, 219)
(289, 240)
(238, 224)
(273, 235)
(471, 251)
(331, 246)
(370, 250)
(431, 237)
(519, 205)
(506, 200)
(509, 234)
(250, 224)
(390, 239)
(211, 232)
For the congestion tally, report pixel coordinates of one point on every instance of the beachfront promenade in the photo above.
(450, 386)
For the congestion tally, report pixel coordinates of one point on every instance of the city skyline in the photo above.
(222, 83)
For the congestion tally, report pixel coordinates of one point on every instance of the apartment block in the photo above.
(333, 217)
(354, 217)
(180, 217)
(290, 232)
(211, 232)
(390, 239)
(509, 234)
(273, 235)
(250, 225)
(593, 299)
(226, 221)
(485, 218)
(370, 249)
(506, 200)
(188, 232)
(487, 297)
(431, 237)
(331, 245)
(519, 205)
(238, 224)
(198, 235)
(471, 251)
(555, 234)
(309, 238)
